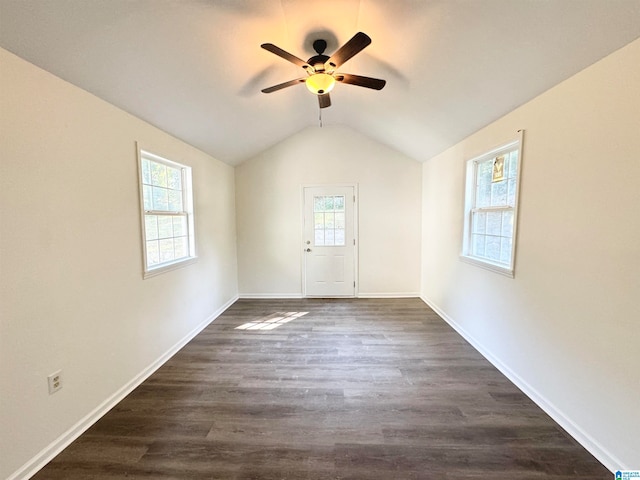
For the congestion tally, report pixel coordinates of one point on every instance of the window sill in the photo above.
(487, 265)
(169, 267)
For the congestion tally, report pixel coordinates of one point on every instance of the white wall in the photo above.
(71, 285)
(268, 198)
(567, 327)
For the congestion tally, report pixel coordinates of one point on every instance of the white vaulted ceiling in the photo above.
(194, 68)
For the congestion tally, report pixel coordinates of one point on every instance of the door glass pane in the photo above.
(329, 220)
(329, 236)
(328, 204)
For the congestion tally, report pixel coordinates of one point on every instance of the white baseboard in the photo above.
(589, 443)
(54, 448)
(272, 296)
(285, 296)
(389, 295)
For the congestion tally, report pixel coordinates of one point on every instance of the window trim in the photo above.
(469, 201)
(187, 193)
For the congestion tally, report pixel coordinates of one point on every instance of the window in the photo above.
(167, 213)
(491, 201)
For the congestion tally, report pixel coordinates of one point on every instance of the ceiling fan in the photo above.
(321, 69)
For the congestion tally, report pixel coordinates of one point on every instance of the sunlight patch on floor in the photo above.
(271, 321)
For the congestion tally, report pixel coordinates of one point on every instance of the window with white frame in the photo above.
(491, 202)
(167, 213)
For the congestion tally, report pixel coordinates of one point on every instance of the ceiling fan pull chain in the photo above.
(320, 116)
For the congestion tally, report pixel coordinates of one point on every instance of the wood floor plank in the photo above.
(354, 389)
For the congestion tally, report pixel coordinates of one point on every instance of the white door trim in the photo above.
(355, 232)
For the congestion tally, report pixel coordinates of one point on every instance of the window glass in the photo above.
(167, 201)
(491, 208)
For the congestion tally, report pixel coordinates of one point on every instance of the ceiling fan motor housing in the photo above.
(318, 62)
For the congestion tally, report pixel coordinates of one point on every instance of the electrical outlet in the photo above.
(55, 382)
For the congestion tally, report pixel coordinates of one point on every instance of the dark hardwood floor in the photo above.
(379, 389)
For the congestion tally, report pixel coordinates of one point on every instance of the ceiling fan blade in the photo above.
(324, 100)
(368, 82)
(270, 47)
(357, 43)
(280, 86)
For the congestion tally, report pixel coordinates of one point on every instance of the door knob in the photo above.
(308, 250)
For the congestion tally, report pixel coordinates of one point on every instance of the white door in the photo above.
(329, 241)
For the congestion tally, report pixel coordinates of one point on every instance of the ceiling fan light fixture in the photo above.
(320, 83)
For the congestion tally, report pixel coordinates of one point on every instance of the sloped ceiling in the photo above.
(194, 68)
